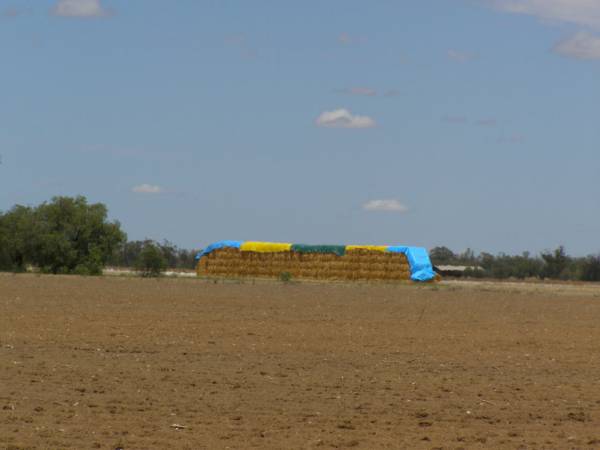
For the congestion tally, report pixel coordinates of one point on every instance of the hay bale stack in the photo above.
(270, 260)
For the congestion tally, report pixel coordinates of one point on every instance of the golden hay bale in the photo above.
(357, 264)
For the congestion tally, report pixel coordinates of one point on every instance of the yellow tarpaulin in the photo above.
(265, 247)
(371, 248)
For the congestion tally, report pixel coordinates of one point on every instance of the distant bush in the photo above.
(285, 277)
(151, 261)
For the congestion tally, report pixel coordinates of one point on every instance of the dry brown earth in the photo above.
(183, 363)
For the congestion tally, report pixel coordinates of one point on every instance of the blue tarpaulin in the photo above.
(217, 245)
(418, 259)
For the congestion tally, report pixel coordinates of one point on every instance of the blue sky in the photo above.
(462, 123)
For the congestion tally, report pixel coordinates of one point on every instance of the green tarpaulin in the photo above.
(339, 250)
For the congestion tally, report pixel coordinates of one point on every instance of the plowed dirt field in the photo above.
(187, 364)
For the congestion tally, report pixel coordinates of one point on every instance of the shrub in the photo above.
(151, 261)
(285, 277)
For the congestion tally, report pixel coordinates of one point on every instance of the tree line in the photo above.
(555, 264)
(68, 235)
(71, 236)
(129, 254)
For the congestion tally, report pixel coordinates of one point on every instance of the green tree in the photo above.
(467, 257)
(442, 255)
(556, 263)
(590, 269)
(16, 238)
(128, 253)
(72, 236)
(65, 235)
(5, 258)
(151, 261)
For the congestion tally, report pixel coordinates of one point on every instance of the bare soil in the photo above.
(115, 362)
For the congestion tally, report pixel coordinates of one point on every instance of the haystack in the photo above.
(235, 259)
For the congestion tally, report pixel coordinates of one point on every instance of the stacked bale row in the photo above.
(354, 263)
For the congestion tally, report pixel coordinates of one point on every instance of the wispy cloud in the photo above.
(389, 205)
(582, 45)
(580, 12)
(358, 90)
(455, 120)
(487, 122)
(114, 150)
(345, 39)
(235, 39)
(365, 91)
(583, 13)
(147, 189)
(240, 42)
(342, 118)
(463, 120)
(80, 8)
(460, 56)
(11, 12)
(512, 139)
(348, 39)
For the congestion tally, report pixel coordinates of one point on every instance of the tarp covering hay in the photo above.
(320, 262)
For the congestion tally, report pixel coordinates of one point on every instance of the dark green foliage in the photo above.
(176, 258)
(590, 269)
(554, 264)
(151, 261)
(506, 266)
(65, 235)
(442, 255)
(16, 238)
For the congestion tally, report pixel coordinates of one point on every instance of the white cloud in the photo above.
(147, 189)
(79, 8)
(460, 56)
(580, 12)
(385, 205)
(582, 45)
(342, 118)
